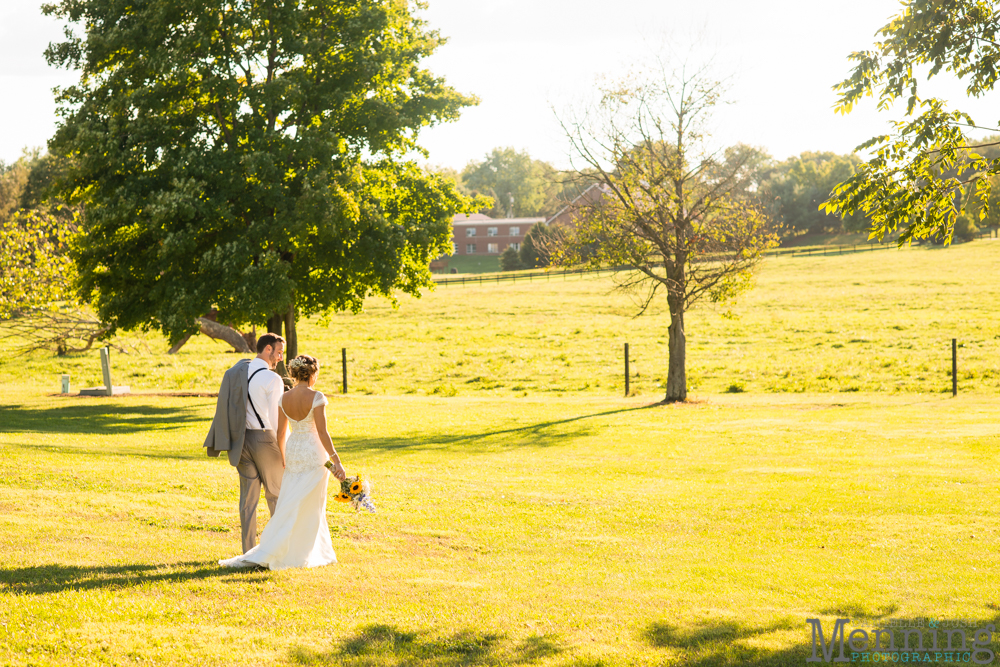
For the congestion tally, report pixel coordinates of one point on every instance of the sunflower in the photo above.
(343, 498)
(356, 487)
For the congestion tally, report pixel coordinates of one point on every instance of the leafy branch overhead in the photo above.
(248, 157)
(927, 171)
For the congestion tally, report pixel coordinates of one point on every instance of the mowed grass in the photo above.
(550, 531)
(530, 514)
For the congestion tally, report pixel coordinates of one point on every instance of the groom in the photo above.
(249, 426)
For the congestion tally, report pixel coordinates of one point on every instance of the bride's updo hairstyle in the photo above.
(303, 367)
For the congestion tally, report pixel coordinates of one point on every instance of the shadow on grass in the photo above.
(42, 579)
(726, 643)
(542, 434)
(860, 611)
(386, 645)
(98, 419)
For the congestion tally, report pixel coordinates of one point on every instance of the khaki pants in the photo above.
(259, 464)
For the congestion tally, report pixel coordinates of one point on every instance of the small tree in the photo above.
(509, 260)
(535, 249)
(35, 269)
(684, 217)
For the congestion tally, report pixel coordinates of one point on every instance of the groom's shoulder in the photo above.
(240, 363)
(239, 366)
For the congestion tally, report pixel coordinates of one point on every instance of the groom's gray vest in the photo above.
(229, 425)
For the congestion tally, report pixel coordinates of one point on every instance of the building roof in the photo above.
(461, 217)
(588, 196)
(480, 219)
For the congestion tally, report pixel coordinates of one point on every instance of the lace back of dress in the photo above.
(308, 423)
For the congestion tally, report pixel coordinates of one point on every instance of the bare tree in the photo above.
(683, 217)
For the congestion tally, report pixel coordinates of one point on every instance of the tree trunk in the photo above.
(291, 339)
(677, 345)
(274, 324)
(251, 338)
(222, 332)
(178, 345)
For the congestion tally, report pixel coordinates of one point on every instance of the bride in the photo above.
(297, 535)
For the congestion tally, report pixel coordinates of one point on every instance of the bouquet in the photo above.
(357, 491)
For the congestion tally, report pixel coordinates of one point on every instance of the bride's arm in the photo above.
(282, 434)
(319, 415)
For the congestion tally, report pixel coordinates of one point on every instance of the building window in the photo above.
(491, 231)
(454, 248)
(515, 246)
(514, 231)
(470, 231)
(470, 248)
(493, 248)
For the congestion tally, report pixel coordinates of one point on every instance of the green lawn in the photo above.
(465, 264)
(529, 514)
(550, 531)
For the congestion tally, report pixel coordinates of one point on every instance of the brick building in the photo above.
(479, 234)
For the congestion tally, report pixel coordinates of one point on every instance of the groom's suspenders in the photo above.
(255, 413)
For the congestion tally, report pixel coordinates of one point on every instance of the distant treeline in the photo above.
(522, 186)
(792, 189)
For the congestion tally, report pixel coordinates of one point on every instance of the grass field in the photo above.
(571, 531)
(529, 514)
(465, 264)
(870, 322)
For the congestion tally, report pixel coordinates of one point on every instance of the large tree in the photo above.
(516, 182)
(680, 214)
(247, 156)
(927, 170)
(800, 185)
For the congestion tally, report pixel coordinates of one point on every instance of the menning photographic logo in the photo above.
(942, 645)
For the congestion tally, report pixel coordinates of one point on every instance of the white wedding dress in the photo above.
(298, 534)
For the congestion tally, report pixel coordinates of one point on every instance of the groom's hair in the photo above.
(268, 339)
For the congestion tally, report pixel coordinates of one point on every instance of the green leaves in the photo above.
(244, 155)
(35, 270)
(924, 174)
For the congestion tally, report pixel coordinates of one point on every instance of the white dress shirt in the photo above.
(266, 389)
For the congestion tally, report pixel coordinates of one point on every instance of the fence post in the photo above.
(106, 368)
(626, 370)
(343, 362)
(954, 367)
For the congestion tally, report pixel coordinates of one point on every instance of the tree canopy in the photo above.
(248, 156)
(800, 185)
(514, 180)
(927, 170)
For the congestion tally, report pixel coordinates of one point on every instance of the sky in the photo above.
(531, 61)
